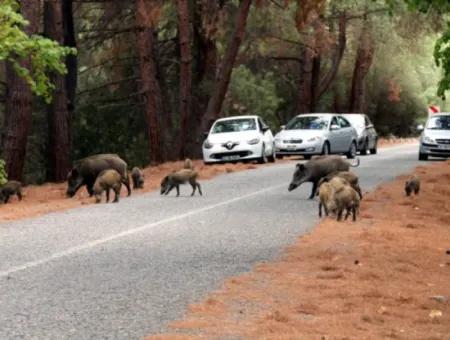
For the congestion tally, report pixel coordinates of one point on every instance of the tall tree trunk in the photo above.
(185, 73)
(216, 101)
(336, 58)
(71, 60)
(364, 57)
(18, 106)
(151, 90)
(305, 86)
(58, 113)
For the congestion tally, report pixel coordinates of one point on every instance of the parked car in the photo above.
(315, 134)
(367, 136)
(239, 138)
(435, 138)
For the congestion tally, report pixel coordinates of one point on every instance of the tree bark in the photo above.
(58, 113)
(18, 105)
(185, 73)
(305, 86)
(364, 57)
(218, 95)
(337, 57)
(71, 60)
(151, 90)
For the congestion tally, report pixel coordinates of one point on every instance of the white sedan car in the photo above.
(317, 134)
(239, 138)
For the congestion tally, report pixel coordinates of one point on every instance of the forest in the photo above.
(146, 78)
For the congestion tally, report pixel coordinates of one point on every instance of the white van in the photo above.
(435, 138)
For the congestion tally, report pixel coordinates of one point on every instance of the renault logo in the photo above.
(230, 145)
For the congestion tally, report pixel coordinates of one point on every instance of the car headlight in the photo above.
(429, 140)
(253, 141)
(314, 139)
(207, 144)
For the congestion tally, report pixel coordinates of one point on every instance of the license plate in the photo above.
(444, 147)
(291, 147)
(230, 158)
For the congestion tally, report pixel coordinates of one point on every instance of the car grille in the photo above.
(220, 155)
(443, 141)
(293, 141)
(440, 151)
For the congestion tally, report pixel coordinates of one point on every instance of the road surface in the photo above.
(122, 271)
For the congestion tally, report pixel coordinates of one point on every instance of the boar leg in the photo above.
(193, 185)
(6, 199)
(126, 182)
(320, 209)
(199, 188)
(339, 215)
(107, 195)
(117, 193)
(19, 195)
(178, 189)
(169, 189)
(314, 189)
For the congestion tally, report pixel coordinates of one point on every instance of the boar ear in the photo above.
(300, 166)
(73, 173)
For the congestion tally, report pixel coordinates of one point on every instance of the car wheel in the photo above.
(272, 157)
(263, 158)
(207, 163)
(307, 157)
(374, 150)
(326, 148)
(279, 156)
(423, 157)
(365, 147)
(352, 151)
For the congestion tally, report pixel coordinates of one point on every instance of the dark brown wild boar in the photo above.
(86, 170)
(315, 169)
(107, 180)
(412, 185)
(138, 178)
(10, 188)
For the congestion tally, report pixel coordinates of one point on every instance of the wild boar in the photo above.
(107, 180)
(347, 175)
(326, 192)
(183, 176)
(86, 170)
(138, 178)
(412, 185)
(10, 188)
(346, 199)
(315, 169)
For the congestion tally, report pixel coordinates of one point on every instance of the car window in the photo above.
(307, 123)
(334, 121)
(261, 124)
(234, 125)
(343, 122)
(439, 123)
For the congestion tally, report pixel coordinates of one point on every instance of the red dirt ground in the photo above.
(387, 276)
(50, 197)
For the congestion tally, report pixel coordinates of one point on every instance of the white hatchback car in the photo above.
(317, 134)
(239, 138)
(435, 138)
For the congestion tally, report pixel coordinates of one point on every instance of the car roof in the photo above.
(317, 114)
(239, 117)
(439, 114)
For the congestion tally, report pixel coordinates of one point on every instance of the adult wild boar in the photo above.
(86, 170)
(315, 169)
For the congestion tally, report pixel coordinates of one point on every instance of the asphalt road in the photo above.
(122, 271)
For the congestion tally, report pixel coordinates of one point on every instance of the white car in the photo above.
(317, 134)
(435, 138)
(367, 135)
(239, 138)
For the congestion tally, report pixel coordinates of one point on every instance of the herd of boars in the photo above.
(337, 188)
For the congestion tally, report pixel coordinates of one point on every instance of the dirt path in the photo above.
(50, 197)
(385, 276)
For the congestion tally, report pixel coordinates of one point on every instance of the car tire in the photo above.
(325, 149)
(307, 157)
(374, 150)
(280, 156)
(272, 158)
(423, 156)
(365, 148)
(207, 163)
(352, 151)
(263, 158)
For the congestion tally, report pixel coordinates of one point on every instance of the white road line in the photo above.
(122, 234)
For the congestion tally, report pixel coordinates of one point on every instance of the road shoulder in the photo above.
(385, 276)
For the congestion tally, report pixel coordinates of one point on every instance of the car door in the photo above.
(347, 133)
(267, 136)
(334, 136)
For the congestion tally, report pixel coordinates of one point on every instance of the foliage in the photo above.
(15, 45)
(3, 175)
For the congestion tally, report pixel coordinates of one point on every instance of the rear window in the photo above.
(307, 123)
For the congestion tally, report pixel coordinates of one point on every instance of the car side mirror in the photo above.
(420, 127)
(282, 127)
(334, 127)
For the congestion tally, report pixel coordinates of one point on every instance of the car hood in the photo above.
(232, 136)
(303, 134)
(439, 134)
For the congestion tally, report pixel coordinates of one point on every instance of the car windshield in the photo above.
(356, 120)
(308, 123)
(439, 123)
(234, 125)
